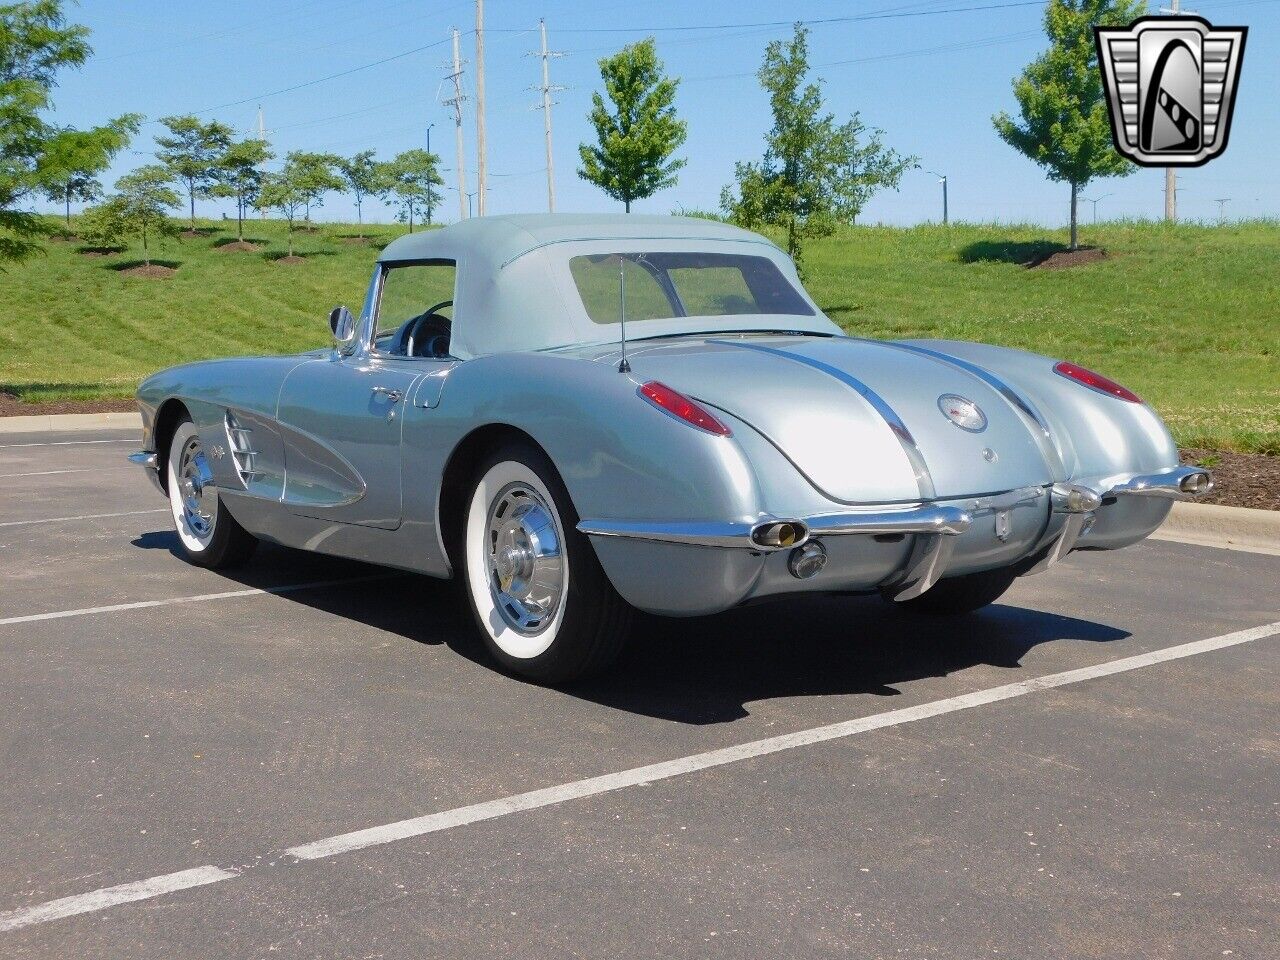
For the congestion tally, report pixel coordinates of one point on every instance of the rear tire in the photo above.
(208, 535)
(542, 603)
(957, 595)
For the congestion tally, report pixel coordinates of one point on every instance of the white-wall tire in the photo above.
(542, 604)
(207, 534)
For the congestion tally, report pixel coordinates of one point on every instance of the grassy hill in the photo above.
(1187, 316)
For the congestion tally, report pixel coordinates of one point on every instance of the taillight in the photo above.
(1095, 381)
(678, 405)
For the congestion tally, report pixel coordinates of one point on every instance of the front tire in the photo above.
(542, 603)
(957, 595)
(208, 535)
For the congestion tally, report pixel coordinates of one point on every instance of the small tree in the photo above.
(815, 173)
(191, 153)
(411, 180)
(139, 209)
(364, 178)
(634, 142)
(239, 176)
(314, 175)
(36, 158)
(280, 192)
(1064, 125)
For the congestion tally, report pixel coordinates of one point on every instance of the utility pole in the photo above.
(1170, 174)
(262, 136)
(481, 164)
(942, 179)
(547, 90)
(430, 189)
(456, 102)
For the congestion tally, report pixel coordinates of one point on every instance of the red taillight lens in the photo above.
(678, 405)
(1095, 381)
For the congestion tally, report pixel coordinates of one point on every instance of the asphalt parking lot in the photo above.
(310, 759)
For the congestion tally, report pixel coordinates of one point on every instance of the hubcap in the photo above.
(195, 487)
(526, 563)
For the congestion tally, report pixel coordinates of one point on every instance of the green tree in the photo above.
(815, 173)
(411, 180)
(314, 175)
(632, 157)
(36, 158)
(364, 178)
(280, 191)
(140, 208)
(191, 152)
(1064, 125)
(239, 176)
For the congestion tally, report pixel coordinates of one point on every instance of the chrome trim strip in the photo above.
(928, 520)
(709, 534)
(1020, 403)
(895, 423)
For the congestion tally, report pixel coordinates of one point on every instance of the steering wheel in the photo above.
(427, 335)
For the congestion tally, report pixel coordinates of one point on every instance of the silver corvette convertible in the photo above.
(579, 416)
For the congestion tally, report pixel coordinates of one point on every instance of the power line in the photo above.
(892, 14)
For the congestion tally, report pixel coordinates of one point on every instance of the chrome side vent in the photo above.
(242, 452)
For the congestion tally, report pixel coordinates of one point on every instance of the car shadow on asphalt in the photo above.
(702, 670)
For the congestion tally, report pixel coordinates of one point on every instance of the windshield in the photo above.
(659, 286)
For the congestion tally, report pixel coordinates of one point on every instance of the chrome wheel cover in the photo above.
(526, 563)
(196, 491)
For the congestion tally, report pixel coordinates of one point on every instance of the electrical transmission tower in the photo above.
(547, 89)
(456, 102)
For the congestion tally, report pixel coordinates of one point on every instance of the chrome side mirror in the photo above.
(343, 325)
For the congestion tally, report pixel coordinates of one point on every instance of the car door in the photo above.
(342, 418)
(344, 414)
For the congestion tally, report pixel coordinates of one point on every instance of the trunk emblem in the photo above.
(964, 413)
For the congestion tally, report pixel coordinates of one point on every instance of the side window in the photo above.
(409, 291)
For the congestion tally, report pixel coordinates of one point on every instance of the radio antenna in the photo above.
(623, 365)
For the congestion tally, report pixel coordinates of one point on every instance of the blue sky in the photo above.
(930, 79)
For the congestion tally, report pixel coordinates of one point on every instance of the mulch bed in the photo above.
(1240, 479)
(93, 252)
(354, 241)
(150, 270)
(289, 261)
(11, 406)
(239, 246)
(1068, 258)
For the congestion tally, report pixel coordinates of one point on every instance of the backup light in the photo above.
(678, 405)
(1094, 381)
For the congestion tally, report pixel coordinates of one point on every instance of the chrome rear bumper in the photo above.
(934, 528)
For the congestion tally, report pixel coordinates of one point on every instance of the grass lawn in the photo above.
(1187, 316)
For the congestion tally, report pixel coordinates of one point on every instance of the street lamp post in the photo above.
(942, 179)
(1095, 203)
(430, 189)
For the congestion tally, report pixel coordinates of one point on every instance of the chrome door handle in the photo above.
(390, 393)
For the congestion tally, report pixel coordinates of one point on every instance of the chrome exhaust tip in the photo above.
(779, 534)
(1196, 484)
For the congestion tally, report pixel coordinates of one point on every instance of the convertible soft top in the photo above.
(514, 288)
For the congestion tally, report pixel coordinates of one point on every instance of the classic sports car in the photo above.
(582, 415)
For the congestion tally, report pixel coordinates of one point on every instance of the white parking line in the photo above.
(64, 443)
(83, 516)
(639, 776)
(195, 598)
(113, 896)
(49, 473)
